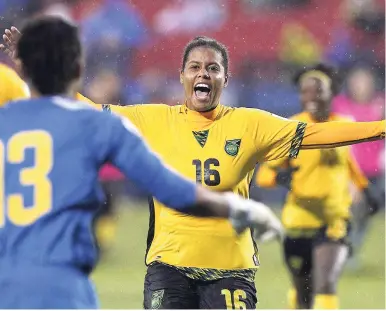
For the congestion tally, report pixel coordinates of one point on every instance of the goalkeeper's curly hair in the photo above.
(330, 71)
(51, 54)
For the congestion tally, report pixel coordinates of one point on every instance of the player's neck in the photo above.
(202, 115)
(201, 119)
(36, 94)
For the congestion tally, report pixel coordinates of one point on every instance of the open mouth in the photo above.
(202, 91)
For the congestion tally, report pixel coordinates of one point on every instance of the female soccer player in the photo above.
(195, 263)
(317, 209)
(51, 149)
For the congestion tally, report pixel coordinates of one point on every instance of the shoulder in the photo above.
(255, 115)
(302, 116)
(80, 111)
(74, 105)
(244, 112)
(13, 87)
(7, 72)
(147, 110)
(94, 116)
(156, 108)
(10, 77)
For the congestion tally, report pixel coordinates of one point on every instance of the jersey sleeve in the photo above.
(341, 133)
(13, 86)
(120, 143)
(276, 137)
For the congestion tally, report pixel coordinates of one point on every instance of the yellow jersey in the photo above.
(218, 149)
(320, 190)
(12, 86)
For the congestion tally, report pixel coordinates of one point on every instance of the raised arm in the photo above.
(277, 137)
(337, 134)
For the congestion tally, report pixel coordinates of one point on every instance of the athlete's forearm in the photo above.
(337, 134)
(209, 204)
(357, 176)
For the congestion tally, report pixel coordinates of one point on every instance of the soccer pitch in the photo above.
(119, 275)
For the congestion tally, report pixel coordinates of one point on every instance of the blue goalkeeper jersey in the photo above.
(51, 150)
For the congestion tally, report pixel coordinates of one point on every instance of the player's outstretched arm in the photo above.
(276, 137)
(337, 134)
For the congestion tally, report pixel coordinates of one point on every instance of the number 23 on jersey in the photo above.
(12, 152)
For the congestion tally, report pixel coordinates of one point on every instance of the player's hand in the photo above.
(266, 233)
(268, 230)
(10, 38)
(268, 236)
(250, 214)
(284, 176)
(373, 199)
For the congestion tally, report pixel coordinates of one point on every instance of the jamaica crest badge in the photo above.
(156, 298)
(232, 146)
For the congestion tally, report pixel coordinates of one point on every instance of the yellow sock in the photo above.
(105, 231)
(326, 302)
(292, 299)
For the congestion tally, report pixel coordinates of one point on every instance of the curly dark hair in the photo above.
(50, 51)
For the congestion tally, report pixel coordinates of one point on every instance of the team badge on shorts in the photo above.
(156, 298)
(232, 146)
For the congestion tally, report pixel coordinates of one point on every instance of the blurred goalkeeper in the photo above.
(51, 149)
(317, 210)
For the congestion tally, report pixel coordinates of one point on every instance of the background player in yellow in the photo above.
(12, 86)
(201, 264)
(317, 209)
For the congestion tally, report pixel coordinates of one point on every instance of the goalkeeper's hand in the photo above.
(257, 216)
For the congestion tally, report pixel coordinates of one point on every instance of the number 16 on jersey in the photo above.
(208, 171)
